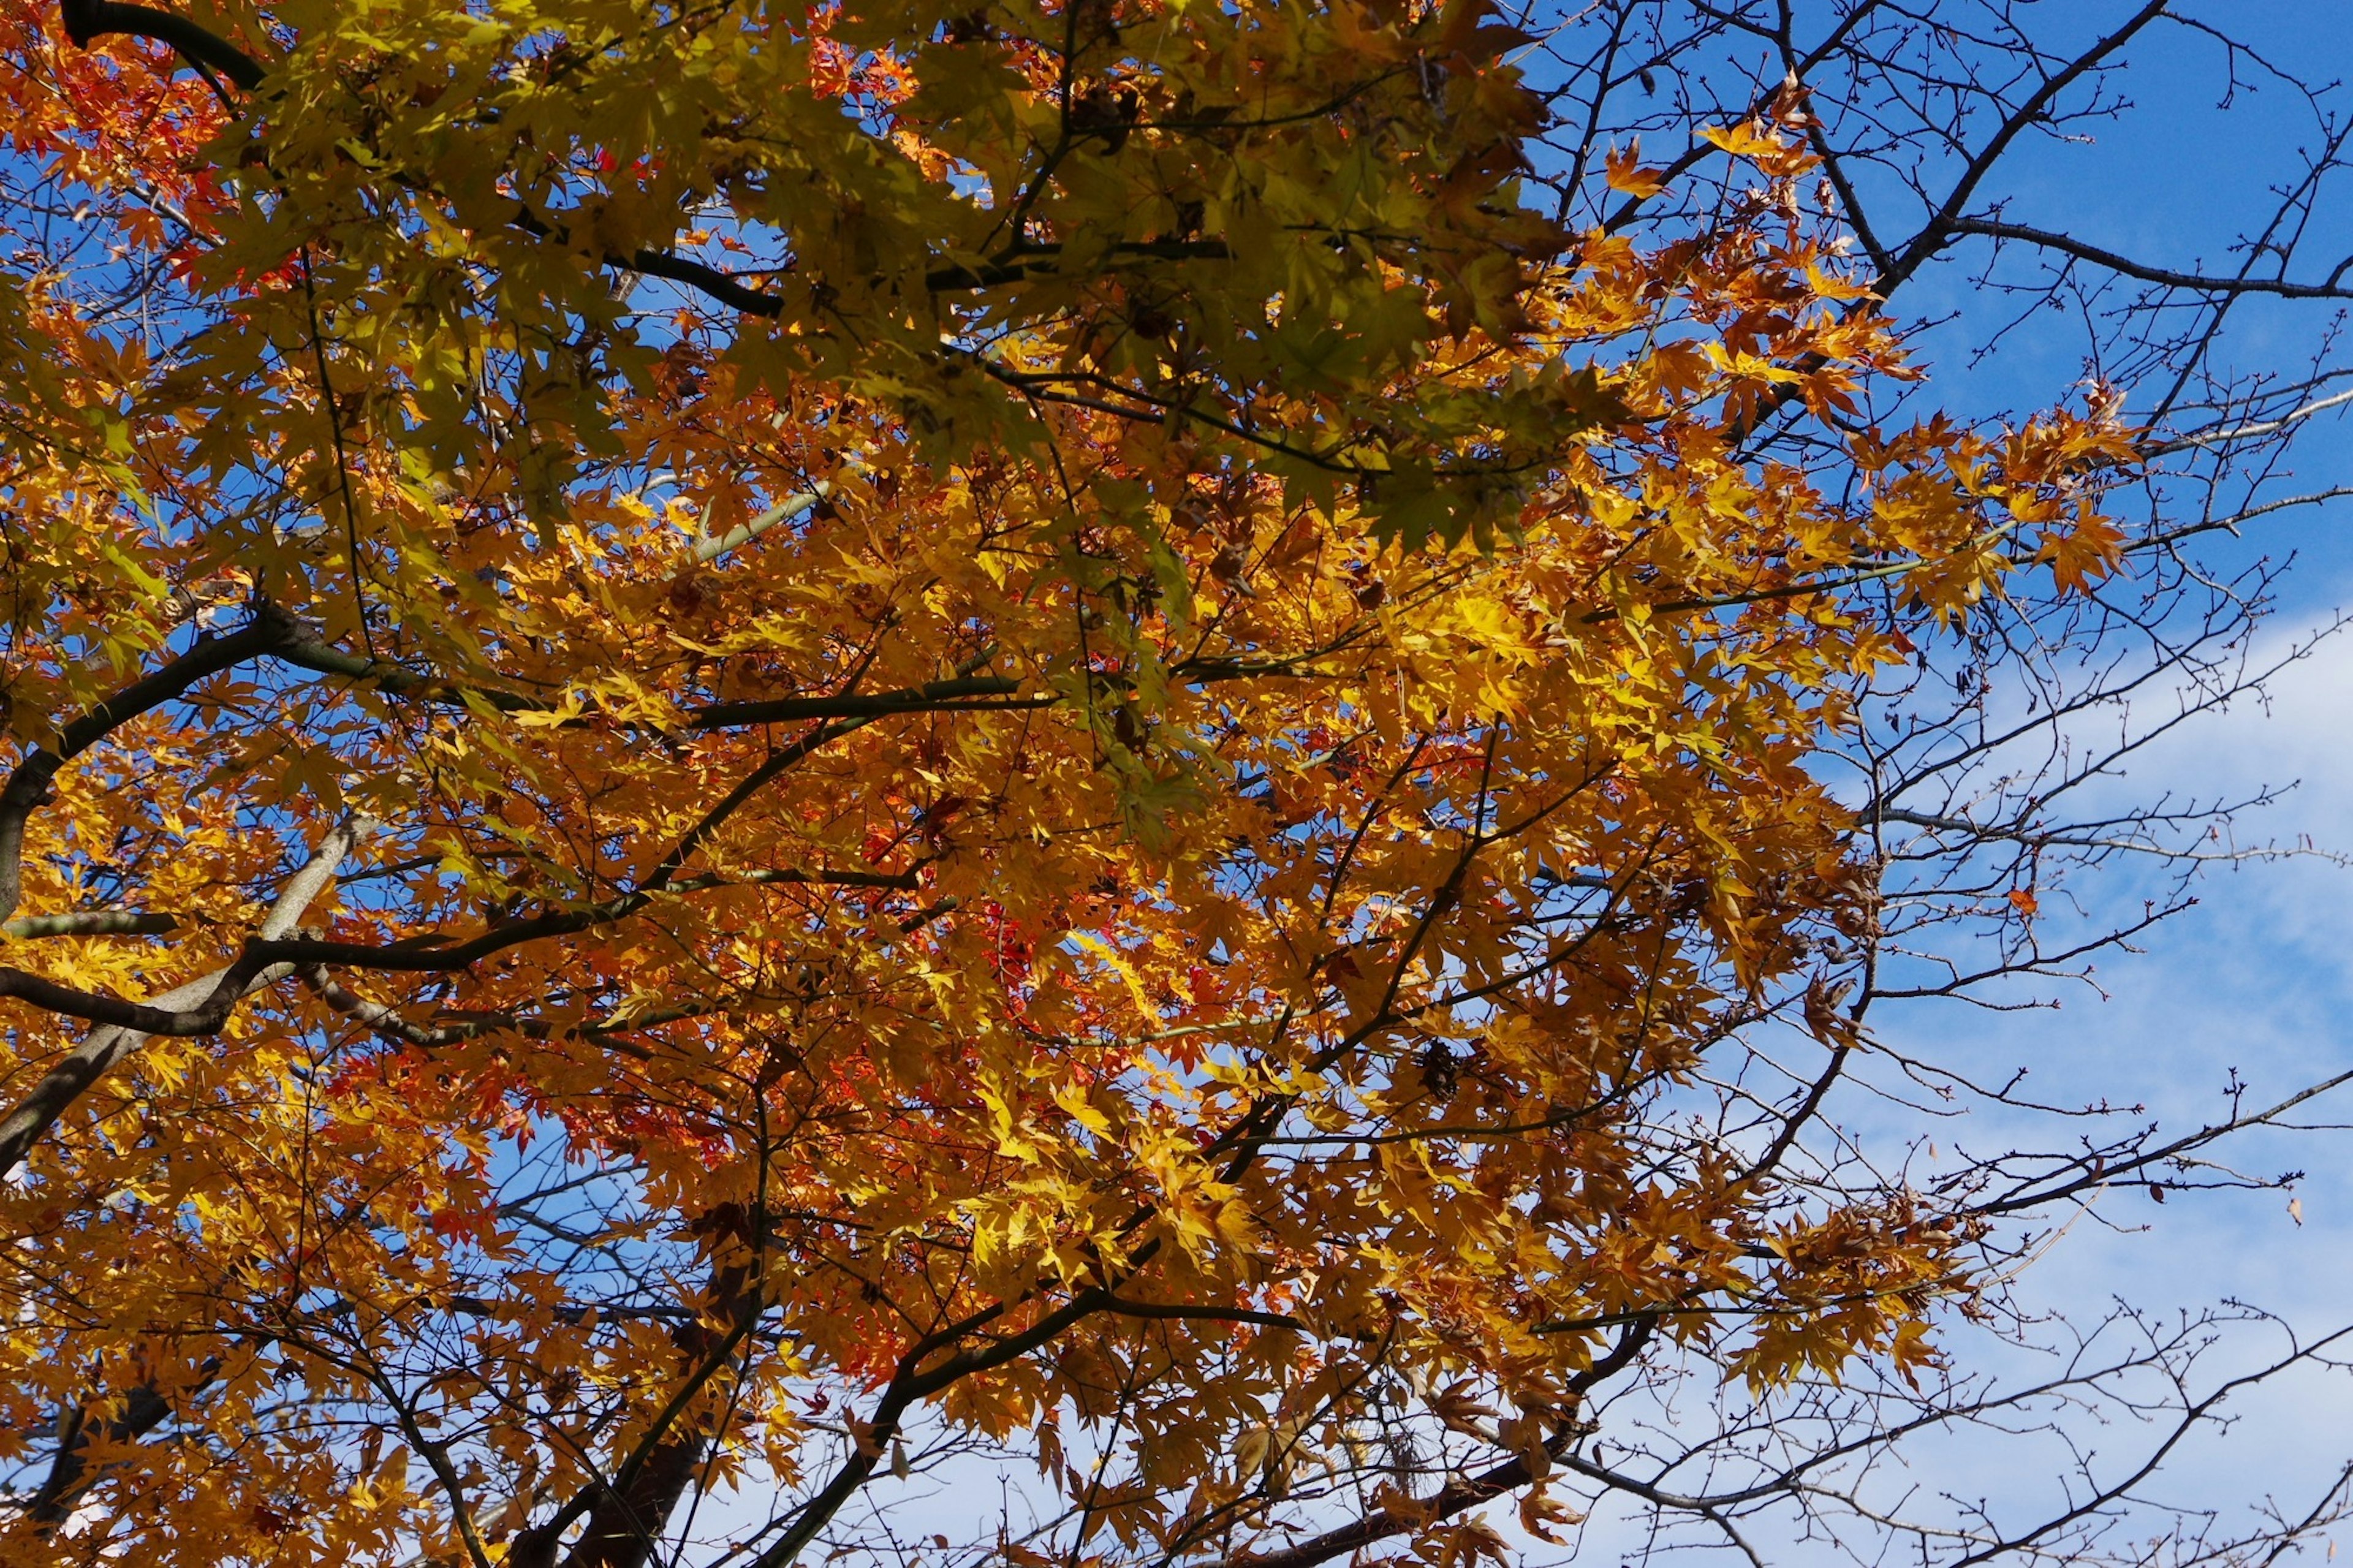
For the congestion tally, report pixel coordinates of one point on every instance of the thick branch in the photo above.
(935, 694)
(2066, 245)
(91, 922)
(625, 1513)
(210, 997)
(1032, 259)
(305, 652)
(88, 20)
(27, 788)
(144, 1408)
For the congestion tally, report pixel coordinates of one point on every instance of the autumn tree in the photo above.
(757, 750)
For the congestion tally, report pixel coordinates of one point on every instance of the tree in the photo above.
(756, 748)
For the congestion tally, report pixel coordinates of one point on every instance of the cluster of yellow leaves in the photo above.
(1136, 789)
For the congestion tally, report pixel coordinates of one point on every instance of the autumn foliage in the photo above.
(749, 741)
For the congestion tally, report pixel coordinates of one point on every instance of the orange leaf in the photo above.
(1626, 174)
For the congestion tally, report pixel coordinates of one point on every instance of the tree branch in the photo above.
(2066, 245)
(206, 1001)
(27, 788)
(88, 20)
(1455, 1497)
(90, 922)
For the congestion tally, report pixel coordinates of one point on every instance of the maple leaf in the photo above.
(1626, 173)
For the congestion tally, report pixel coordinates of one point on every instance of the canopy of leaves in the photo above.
(748, 734)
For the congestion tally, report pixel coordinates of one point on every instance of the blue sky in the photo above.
(2259, 976)
(2257, 981)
